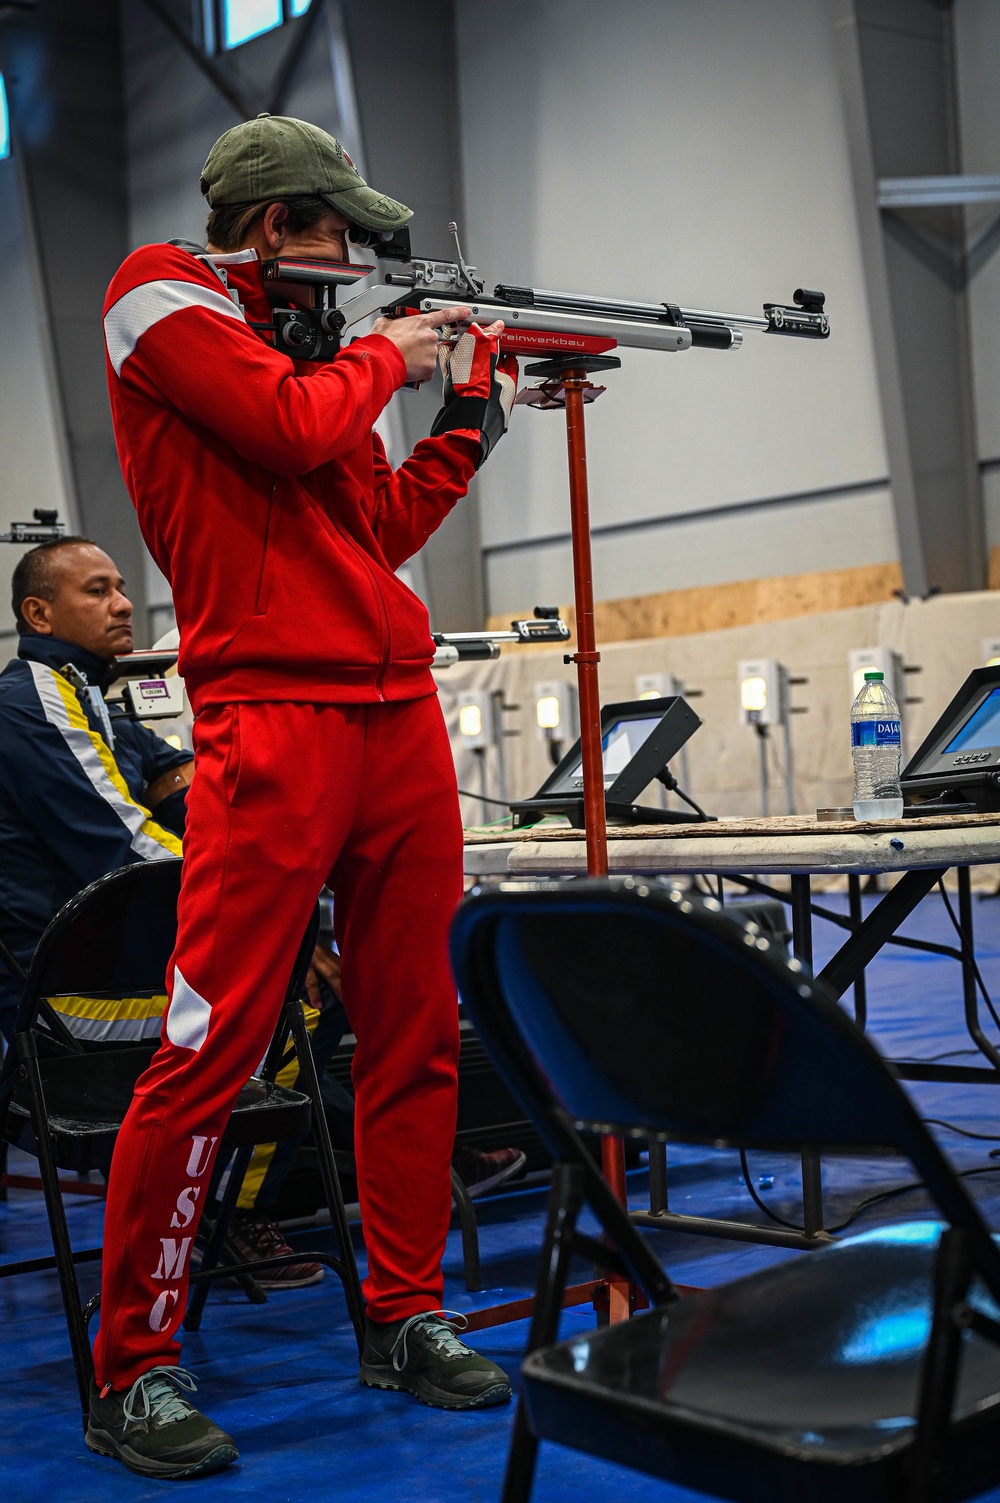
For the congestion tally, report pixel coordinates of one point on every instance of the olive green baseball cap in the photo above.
(276, 156)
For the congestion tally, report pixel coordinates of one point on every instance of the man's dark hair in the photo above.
(229, 224)
(35, 574)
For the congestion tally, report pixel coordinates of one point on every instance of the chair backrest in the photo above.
(623, 1006)
(115, 937)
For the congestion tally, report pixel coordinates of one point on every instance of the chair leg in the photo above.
(522, 1458)
(565, 1200)
(952, 1275)
(309, 1080)
(470, 1234)
(83, 1361)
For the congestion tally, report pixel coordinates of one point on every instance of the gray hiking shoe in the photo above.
(154, 1430)
(424, 1356)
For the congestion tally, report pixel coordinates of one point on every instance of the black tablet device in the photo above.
(957, 767)
(639, 737)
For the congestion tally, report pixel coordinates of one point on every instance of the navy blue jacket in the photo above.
(71, 809)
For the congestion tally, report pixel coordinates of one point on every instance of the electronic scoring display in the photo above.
(638, 739)
(957, 767)
(619, 744)
(982, 729)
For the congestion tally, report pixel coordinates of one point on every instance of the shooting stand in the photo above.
(566, 386)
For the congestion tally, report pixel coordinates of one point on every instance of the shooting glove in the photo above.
(479, 388)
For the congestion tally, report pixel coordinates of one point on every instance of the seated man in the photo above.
(78, 782)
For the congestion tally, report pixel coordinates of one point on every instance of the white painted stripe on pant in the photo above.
(188, 1015)
(128, 320)
(81, 743)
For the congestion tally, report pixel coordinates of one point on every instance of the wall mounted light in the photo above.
(555, 714)
(763, 692)
(884, 660)
(657, 686)
(476, 719)
(764, 702)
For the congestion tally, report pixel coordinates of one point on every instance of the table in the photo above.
(746, 850)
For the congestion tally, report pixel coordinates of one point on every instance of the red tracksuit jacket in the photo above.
(263, 494)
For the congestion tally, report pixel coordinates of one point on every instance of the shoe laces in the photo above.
(438, 1326)
(160, 1402)
(264, 1234)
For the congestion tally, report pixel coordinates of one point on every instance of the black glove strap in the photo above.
(482, 415)
(461, 412)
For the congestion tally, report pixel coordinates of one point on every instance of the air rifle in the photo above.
(46, 528)
(452, 647)
(538, 322)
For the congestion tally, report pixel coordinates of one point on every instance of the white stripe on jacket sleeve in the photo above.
(137, 311)
(62, 709)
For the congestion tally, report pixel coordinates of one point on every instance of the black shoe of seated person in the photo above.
(482, 1172)
(424, 1356)
(153, 1429)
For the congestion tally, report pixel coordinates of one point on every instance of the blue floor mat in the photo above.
(282, 1377)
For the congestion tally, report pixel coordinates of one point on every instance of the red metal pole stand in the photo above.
(587, 657)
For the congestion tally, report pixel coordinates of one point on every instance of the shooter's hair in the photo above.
(229, 224)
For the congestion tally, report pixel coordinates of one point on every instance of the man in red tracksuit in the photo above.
(321, 755)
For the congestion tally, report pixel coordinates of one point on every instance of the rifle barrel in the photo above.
(748, 320)
(545, 297)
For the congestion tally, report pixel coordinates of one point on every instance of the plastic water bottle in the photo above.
(877, 749)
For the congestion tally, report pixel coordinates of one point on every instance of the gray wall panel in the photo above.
(659, 151)
(844, 531)
(64, 69)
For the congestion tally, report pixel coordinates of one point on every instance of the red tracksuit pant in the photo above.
(285, 797)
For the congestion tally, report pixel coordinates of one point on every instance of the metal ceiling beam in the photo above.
(288, 72)
(224, 81)
(219, 77)
(933, 192)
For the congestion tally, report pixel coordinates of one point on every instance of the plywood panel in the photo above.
(680, 613)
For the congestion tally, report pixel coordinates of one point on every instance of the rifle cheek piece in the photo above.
(309, 333)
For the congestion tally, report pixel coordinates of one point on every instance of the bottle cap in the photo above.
(873, 677)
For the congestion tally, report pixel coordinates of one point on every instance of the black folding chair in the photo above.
(866, 1371)
(64, 1102)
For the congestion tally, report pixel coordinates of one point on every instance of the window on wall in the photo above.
(240, 20)
(4, 122)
